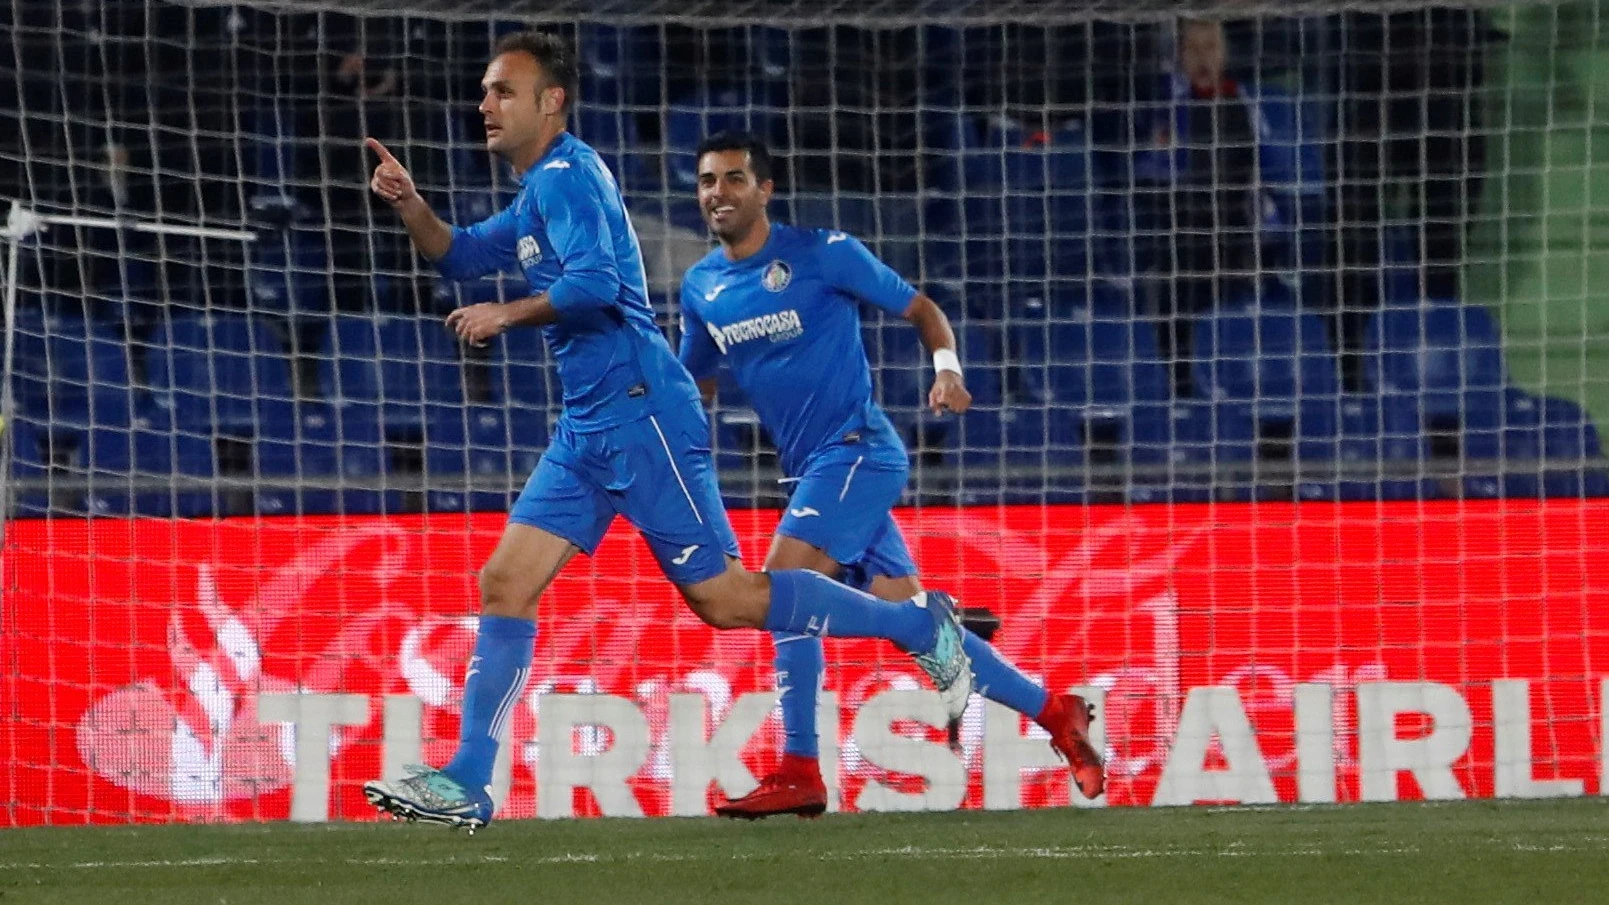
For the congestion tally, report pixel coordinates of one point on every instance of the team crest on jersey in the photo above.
(777, 276)
(530, 253)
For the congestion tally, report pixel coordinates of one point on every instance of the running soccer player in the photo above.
(780, 306)
(633, 439)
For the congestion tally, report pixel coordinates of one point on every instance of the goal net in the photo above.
(1285, 324)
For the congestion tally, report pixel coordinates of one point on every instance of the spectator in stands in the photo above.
(1411, 150)
(1208, 252)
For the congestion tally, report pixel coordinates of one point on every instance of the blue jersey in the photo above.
(787, 322)
(569, 232)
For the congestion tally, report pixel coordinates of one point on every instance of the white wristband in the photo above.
(946, 360)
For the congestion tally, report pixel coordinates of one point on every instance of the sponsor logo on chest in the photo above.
(778, 327)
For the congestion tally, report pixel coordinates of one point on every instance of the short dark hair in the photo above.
(759, 155)
(552, 53)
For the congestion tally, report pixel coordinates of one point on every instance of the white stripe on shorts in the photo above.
(674, 470)
(845, 492)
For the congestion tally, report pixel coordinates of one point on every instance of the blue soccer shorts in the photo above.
(841, 504)
(657, 472)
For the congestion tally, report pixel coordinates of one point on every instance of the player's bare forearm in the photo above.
(531, 311)
(949, 392)
(931, 322)
(429, 233)
(477, 324)
(706, 389)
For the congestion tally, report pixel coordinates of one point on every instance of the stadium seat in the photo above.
(1268, 373)
(1290, 150)
(270, 141)
(404, 366)
(288, 273)
(1016, 454)
(690, 120)
(303, 463)
(30, 463)
(523, 373)
(624, 61)
(477, 458)
(612, 132)
(140, 471)
(219, 372)
(1382, 455)
(1572, 452)
(1444, 357)
(70, 377)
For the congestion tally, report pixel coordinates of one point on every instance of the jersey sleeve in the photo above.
(850, 266)
(699, 354)
(579, 231)
(486, 247)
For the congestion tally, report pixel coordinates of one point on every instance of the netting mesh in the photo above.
(1337, 261)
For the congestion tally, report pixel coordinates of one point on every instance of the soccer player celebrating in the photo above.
(780, 305)
(633, 439)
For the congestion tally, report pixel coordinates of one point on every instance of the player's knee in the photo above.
(502, 594)
(733, 600)
(717, 614)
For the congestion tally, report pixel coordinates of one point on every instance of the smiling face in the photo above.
(730, 197)
(519, 99)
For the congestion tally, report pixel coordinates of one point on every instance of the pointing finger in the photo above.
(374, 145)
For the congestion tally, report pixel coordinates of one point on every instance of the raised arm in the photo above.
(393, 183)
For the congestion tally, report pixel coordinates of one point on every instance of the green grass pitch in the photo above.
(1464, 853)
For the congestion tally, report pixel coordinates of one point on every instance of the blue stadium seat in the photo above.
(116, 459)
(288, 273)
(1003, 455)
(29, 462)
(1572, 451)
(1209, 456)
(691, 119)
(898, 240)
(623, 63)
(405, 366)
(70, 377)
(1445, 357)
(1102, 364)
(612, 132)
(304, 462)
(270, 139)
(898, 362)
(523, 373)
(980, 350)
(1382, 454)
(479, 447)
(219, 371)
(1270, 370)
(856, 215)
(497, 287)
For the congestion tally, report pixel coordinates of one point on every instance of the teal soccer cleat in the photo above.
(947, 664)
(432, 796)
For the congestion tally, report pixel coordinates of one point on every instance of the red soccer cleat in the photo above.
(1066, 717)
(795, 787)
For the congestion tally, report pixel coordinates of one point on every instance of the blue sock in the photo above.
(809, 603)
(998, 680)
(496, 676)
(800, 662)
